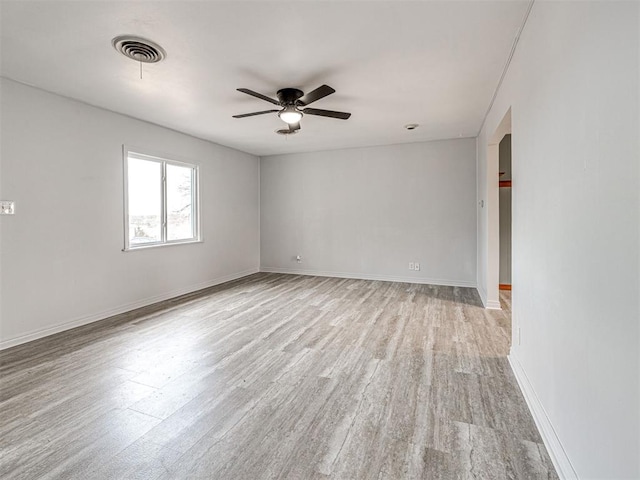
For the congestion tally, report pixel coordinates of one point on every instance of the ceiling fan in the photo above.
(292, 100)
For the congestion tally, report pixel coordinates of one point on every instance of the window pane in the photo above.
(145, 201)
(180, 211)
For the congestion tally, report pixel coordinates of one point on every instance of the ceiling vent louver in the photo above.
(139, 49)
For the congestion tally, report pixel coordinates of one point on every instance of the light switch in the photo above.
(7, 207)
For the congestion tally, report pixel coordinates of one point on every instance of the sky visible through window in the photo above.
(145, 202)
(179, 203)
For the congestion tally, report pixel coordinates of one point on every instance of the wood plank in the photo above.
(275, 376)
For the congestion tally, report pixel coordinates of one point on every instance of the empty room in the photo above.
(321, 239)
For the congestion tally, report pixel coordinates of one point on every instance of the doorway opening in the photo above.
(504, 222)
(499, 181)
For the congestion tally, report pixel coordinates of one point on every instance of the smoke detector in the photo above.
(411, 126)
(139, 49)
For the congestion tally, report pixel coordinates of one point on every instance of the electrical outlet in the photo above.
(7, 207)
(299, 258)
(411, 266)
(416, 266)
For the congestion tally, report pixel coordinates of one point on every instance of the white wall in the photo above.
(61, 257)
(368, 212)
(573, 90)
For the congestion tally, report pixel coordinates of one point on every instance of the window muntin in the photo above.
(161, 201)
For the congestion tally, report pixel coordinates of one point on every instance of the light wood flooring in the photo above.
(275, 376)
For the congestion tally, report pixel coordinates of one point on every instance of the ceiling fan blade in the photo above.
(254, 113)
(294, 126)
(258, 95)
(316, 94)
(326, 113)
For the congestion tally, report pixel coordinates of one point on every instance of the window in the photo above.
(161, 201)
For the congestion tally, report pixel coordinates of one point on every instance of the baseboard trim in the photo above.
(364, 276)
(483, 296)
(96, 317)
(488, 304)
(558, 455)
(493, 305)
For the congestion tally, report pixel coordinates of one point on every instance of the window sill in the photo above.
(160, 245)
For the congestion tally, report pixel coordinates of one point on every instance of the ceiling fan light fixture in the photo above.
(290, 114)
(289, 100)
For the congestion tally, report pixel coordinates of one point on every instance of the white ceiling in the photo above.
(391, 62)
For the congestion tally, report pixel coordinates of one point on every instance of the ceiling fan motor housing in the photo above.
(289, 96)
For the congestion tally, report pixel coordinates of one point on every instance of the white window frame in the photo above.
(144, 154)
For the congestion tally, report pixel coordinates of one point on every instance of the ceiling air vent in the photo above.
(139, 49)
